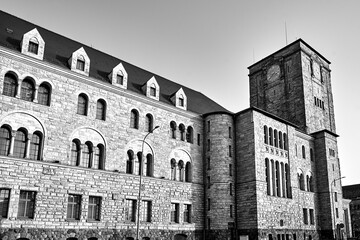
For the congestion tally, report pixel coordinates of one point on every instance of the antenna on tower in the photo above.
(286, 34)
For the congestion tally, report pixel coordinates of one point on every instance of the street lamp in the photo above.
(333, 202)
(140, 172)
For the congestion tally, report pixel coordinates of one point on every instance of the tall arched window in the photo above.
(149, 165)
(20, 144)
(190, 134)
(86, 154)
(140, 163)
(120, 78)
(303, 152)
(311, 184)
(149, 123)
(153, 90)
(75, 153)
(27, 90)
(101, 109)
(267, 174)
(188, 177)
(130, 162)
(35, 146)
(181, 170)
(173, 129)
(98, 159)
(277, 175)
(266, 134)
(288, 185)
(285, 141)
(311, 154)
(275, 138)
(301, 183)
(4, 140)
(33, 45)
(271, 137)
(82, 104)
(10, 85)
(134, 119)
(273, 180)
(173, 169)
(280, 140)
(44, 92)
(182, 132)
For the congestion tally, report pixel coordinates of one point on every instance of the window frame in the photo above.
(4, 202)
(94, 208)
(74, 204)
(29, 204)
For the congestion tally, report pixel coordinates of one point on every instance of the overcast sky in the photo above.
(207, 45)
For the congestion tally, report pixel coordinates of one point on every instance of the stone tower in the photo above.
(294, 84)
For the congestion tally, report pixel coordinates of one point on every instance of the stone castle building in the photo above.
(76, 133)
(352, 192)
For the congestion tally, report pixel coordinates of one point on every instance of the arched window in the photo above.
(44, 93)
(173, 169)
(277, 178)
(82, 104)
(130, 162)
(301, 183)
(10, 85)
(98, 160)
(267, 174)
(173, 129)
(266, 134)
(149, 165)
(5, 137)
(101, 109)
(275, 138)
(280, 140)
(35, 146)
(303, 152)
(273, 182)
(182, 132)
(153, 90)
(311, 184)
(285, 142)
(75, 153)
(120, 78)
(308, 183)
(140, 163)
(181, 100)
(181, 170)
(20, 144)
(271, 137)
(311, 154)
(33, 45)
(27, 90)
(134, 119)
(287, 179)
(188, 177)
(149, 123)
(86, 154)
(80, 63)
(190, 135)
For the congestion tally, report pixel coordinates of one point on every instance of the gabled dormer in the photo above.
(119, 76)
(151, 89)
(80, 62)
(33, 45)
(179, 99)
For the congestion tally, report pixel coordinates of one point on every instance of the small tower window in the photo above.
(33, 46)
(181, 100)
(153, 90)
(80, 63)
(120, 78)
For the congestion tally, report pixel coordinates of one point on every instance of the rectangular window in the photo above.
(152, 91)
(337, 212)
(208, 223)
(208, 145)
(4, 202)
(94, 208)
(208, 204)
(80, 65)
(335, 195)
(33, 47)
(230, 151)
(181, 102)
(146, 211)
(73, 208)
(312, 218)
(208, 181)
(198, 139)
(174, 213)
(230, 132)
(208, 163)
(130, 211)
(230, 170)
(208, 126)
(231, 210)
(305, 215)
(26, 204)
(231, 189)
(187, 213)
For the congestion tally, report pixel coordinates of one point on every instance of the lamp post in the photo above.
(140, 172)
(333, 202)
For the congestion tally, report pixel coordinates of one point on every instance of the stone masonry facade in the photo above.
(70, 165)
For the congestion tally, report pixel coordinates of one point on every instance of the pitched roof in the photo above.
(351, 191)
(58, 50)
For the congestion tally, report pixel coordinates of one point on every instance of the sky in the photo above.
(207, 45)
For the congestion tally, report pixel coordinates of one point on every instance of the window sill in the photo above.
(24, 218)
(72, 220)
(93, 221)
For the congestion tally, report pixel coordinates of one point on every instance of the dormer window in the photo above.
(119, 76)
(153, 90)
(80, 64)
(179, 99)
(33, 46)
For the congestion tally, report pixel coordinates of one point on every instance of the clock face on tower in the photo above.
(273, 73)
